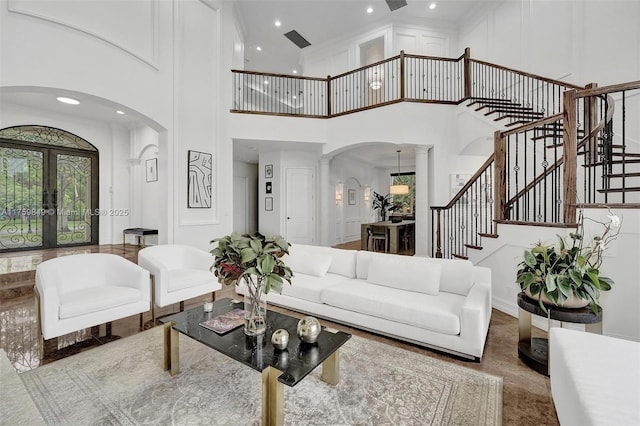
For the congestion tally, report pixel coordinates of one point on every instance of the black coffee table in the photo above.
(278, 367)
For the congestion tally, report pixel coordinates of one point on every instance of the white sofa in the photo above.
(84, 290)
(439, 303)
(595, 379)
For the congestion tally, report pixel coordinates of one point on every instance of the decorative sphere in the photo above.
(308, 329)
(280, 338)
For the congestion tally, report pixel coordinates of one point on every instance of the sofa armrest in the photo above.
(198, 259)
(47, 289)
(476, 314)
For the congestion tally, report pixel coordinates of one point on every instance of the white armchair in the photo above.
(84, 290)
(178, 273)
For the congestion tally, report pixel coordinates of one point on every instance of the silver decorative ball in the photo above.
(280, 338)
(308, 329)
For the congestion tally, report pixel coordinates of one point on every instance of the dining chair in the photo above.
(378, 235)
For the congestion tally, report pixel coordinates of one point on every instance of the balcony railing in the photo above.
(411, 78)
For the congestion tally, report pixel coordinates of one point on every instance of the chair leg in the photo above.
(181, 306)
(108, 326)
(213, 296)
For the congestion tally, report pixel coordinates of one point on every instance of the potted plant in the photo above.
(384, 204)
(256, 260)
(568, 275)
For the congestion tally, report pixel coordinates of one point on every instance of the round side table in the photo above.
(535, 351)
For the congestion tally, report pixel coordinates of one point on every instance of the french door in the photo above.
(48, 197)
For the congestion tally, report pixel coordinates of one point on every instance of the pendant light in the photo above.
(398, 189)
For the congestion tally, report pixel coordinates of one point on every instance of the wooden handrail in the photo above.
(268, 74)
(531, 125)
(632, 85)
(384, 61)
(526, 74)
(470, 182)
(433, 58)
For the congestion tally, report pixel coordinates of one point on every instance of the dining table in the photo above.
(395, 229)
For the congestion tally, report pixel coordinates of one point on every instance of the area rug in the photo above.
(122, 383)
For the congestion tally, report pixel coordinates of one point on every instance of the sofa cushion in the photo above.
(436, 313)
(405, 273)
(362, 267)
(307, 260)
(343, 262)
(179, 279)
(309, 287)
(456, 276)
(93, 299)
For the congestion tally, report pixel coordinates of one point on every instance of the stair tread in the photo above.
(623, 175)
(628, 189)
(472, 246)
(488, 235)
(459, 256)
(613, 162)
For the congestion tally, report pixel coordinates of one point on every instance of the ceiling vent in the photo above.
(297, 39)
(396, 4)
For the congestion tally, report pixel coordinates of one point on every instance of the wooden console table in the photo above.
(535, 351)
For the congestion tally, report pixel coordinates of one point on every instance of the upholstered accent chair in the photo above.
(85, 290)
(178, 272)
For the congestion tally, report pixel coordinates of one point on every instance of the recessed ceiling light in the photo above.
(266, 82)
(295, 71)
(258, 48)
(120, 112)
(277, 23)
(432, 6)
(69, 101)
(295, 97)
(369, 10)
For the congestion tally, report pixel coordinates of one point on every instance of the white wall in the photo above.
(160, 60)
(248, 172)
(575, 41)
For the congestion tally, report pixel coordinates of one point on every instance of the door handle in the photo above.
(55, 198)
(45, 199)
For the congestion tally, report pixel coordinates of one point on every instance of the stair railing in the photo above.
(467, 217)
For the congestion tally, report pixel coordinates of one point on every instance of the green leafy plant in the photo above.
(570, 269)
(384, 204)
(243, 256)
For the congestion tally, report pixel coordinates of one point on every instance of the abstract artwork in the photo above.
(199, 180)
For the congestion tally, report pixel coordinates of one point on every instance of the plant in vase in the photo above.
(256, 260)
(568, 275)
(384, 204)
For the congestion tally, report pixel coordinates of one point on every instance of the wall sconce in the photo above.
(367, 194)
(339, 192)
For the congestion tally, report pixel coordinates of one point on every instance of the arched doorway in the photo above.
(48, 189)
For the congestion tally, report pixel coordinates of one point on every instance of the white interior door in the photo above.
(299, 205)
(240, 204)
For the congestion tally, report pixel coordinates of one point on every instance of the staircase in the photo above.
(529, 177)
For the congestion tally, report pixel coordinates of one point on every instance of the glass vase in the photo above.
(255, 306)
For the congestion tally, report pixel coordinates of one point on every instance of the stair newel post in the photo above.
(402, 75)
(438, 233)
(591, 120)
(570, 153)
(467, 72)
(500, 175)
(328, 96)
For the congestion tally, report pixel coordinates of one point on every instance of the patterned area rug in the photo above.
(123, 383)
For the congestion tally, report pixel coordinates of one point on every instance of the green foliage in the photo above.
(568, 269)
(238, 255)
(385, 204)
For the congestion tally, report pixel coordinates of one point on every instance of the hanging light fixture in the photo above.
(398, 189)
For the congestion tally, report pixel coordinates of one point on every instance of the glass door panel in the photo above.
(21, 198)
(72, 199)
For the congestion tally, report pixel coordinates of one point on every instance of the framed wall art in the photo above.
(268, 187)
(199, 181)
(152, 169)
(268, 171)
(352, 197)
(268, 204)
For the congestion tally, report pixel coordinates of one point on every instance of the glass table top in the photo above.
(257, 352)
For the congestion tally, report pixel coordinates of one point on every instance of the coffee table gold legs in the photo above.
(331, 369)
(272, 397)
(171, 349)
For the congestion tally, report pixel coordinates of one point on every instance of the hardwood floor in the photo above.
(526, 394)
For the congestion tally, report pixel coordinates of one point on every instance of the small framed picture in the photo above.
(352, 197)
(152, 169)
(268, 187)
(268, 204)
(268, 171)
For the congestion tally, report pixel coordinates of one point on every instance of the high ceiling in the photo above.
(322, 21)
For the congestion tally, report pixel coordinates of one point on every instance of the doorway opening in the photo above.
(48, 189)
